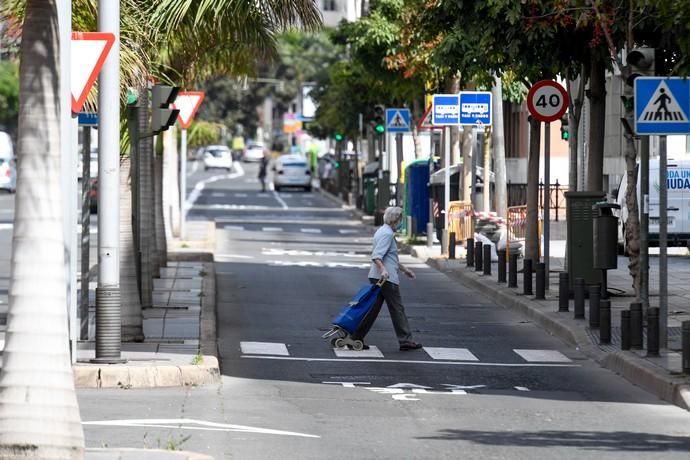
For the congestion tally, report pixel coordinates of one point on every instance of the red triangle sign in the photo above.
(425, 122)
(187, 103)
(89, 51)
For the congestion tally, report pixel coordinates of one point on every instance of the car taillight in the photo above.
(308, 172)
(280, 172)
(8, 172)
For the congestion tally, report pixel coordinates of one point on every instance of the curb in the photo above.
(152, 454)
(357, 212)
(125, 376)
(630, 366)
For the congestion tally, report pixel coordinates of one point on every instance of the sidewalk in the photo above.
(659, 375)
(180, 330)
(137, 454)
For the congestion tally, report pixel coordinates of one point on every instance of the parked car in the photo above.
(217, 156)
(291, 171)
(254, 152)
(8, 171)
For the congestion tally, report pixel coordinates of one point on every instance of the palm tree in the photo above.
(39, 415)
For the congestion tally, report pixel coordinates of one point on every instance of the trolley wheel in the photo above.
(340, 343)
(333, 341)
(358, 345)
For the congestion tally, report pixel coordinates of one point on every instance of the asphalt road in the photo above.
(488, 384)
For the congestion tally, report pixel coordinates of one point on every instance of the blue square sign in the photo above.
(662, 106)
(398, 120)
(475, 108)
(445, 110)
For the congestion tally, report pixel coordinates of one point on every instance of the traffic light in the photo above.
(162, 116)
(565, 134)
(338, 137)
(378, 121)
(640, 63)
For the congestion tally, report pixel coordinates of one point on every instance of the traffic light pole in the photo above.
(183, 183)
(663, 244)
(644, 222)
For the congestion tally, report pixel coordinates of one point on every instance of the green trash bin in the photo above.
(580, 241)
(369, 184)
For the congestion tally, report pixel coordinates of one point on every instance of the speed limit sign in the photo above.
(547, 101)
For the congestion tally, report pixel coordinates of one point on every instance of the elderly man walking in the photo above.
(385, 264)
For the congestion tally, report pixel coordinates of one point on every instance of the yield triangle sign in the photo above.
(662, 107)
(425, 122)
(89, 51)
(187, 103)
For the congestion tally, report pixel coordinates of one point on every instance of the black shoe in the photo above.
(406, 346)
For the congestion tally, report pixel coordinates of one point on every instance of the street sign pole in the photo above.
(183, 183)
(547, 201)
(446, 186)
(663, 244)
(644, 222)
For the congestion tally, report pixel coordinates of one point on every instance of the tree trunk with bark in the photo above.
(416, 114)
(171, 184)
(39, 413)
(467, 181)
(161, 236)
(574, 113)
(532, 230)
(597, 120)
(145, 204)
(498, 142)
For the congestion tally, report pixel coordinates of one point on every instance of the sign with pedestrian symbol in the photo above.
(398, 120)
(662, 106)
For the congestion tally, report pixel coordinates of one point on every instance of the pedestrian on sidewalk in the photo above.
(385, 264)
(263, 167)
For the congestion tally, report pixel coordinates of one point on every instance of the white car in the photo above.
(254, 152)
(217, 156)
(291, 171)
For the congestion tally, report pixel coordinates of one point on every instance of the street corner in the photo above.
(206, 372)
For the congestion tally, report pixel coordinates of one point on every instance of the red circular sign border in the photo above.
(532, 109)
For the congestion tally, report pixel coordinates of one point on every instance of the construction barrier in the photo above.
(461, 220)
(516, 229)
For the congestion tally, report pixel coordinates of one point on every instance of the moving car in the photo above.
(8, 172)
(291, 171)
(217, 156)
(254, 152)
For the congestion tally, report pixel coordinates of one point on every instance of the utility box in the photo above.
(605, 236)
(417, 194)
(370, 177)
(580, 236)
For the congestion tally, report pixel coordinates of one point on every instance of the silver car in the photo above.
(291, 171)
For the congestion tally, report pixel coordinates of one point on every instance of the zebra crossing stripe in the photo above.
(451, 354)
(372, 352)
(543, 356)
(310, 230)
(347, 232)
(264, 348)
(271, 229)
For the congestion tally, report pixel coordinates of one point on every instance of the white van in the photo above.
(678, 203)
(6, 150)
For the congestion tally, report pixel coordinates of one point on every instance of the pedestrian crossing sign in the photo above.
(398, 120)
(662, 106)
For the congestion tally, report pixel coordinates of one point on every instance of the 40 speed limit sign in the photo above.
(547, 101)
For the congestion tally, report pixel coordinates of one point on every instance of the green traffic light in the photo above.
(380, 129)
(565, 135)
(338, 137)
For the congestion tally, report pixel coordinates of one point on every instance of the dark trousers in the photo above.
(391, 294)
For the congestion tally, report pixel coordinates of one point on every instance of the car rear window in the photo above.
(295, 165)
(217, 153)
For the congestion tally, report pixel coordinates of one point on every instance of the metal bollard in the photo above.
(512, 270)
(430, 235)
(653, 331)
(469, 244)
(502, 266)
(478, 256)
(579, 288)
(594, 299)
(625, 330)
(636, 341)
(451, 245)
(686, 347)
(487, 260)
(527, 277)
(541, 282)
(563, 292)
(605, 321)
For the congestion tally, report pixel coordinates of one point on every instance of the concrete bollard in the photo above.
(653, 331)
(636, 336)
(444, 241)
(469, 244)
(605, 321)
(686, 347)
(512, 270)
(527, 277)
(451, 245)
(487, 260)
(478, 256)
(540, 282)
(579, 294)
(563, 292)
(594, 299)
(502, 266)
(429, 235)
(625, 330)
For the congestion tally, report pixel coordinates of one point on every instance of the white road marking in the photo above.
(543, 356)
(456, 354)
(264, 348)
(347, 232)
(403, 361)
(348, 384)
(304, 253)
(271, 229)
(199, 187)
(372, 352)
(284, 263)
(231, 207)
(241, 195)
(237, 228)
(409, 386)
(521, 388)
(8, 226)
(222, 257)
(280, 200)
(310, 230)
(262, 195)
(217, 194)
(192, 424)
(195, 167)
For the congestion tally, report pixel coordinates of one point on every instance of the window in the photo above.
(329, 5)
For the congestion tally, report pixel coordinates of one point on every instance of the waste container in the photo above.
(437, 190)
(605, 236)
(417, 194)
(369, 184)
(579, 236)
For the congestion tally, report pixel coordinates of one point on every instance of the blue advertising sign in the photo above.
(662, 106)
(445, 110)
(475, 108)
(398, 120)
(88, 119)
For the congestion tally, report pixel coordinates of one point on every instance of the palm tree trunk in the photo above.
(161, 238)
(39, 414)
(145, 204)
(132, 329)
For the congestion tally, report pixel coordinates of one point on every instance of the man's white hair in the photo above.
(392, 215)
